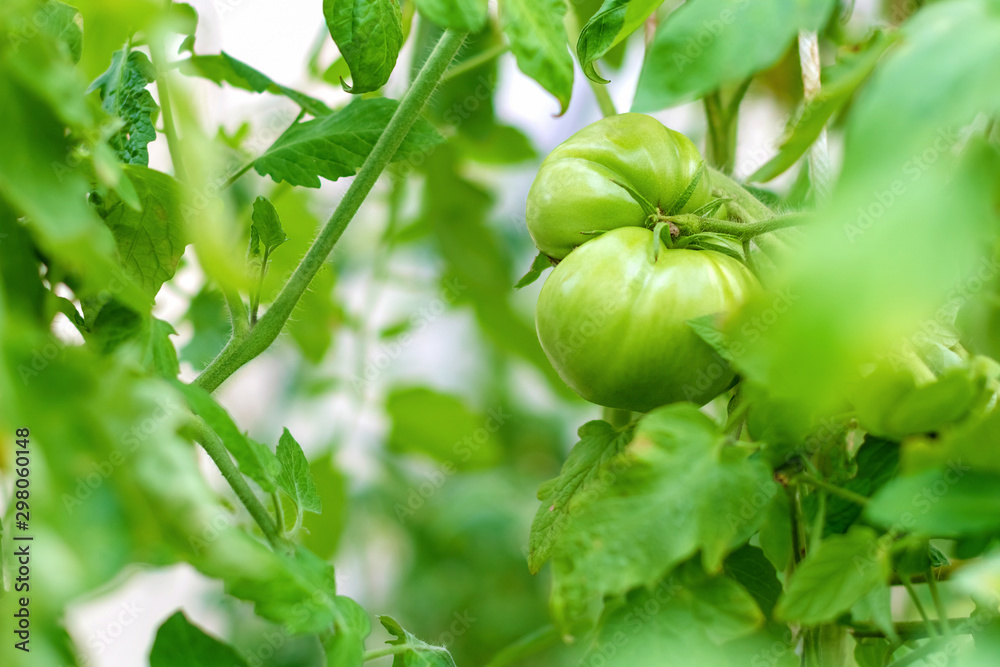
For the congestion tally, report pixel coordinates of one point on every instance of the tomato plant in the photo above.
(273, 395)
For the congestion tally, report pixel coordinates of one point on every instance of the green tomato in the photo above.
(574, 190)
(612, 321)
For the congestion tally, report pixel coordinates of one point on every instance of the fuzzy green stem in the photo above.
(390, 650)
(279, 514)
(942, 612)
(721, 144)
(212, 444)
(742, 204)
(689, 223)
(237, 313)
(169, 125)
(932, 630)
(475, 61)
(616, 417)
(846, 494)
(237, 353)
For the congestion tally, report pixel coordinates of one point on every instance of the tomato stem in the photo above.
(688, 224)
(238, 352)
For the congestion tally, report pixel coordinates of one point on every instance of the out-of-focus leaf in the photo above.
(501, 144)
(54, 199)
(255, 460)
(538, 39)
(832, 578)
(651, 513)
(223, 68)
(323, 531)
(336, 145)
(180, 642)
(705, 44)
(123, 94)
(151, 240)
(955, 501)
(443, 427)
(461, 15)
(346, 646)
(613, 22)
(65, 24)
(295, 477)
(209, 317)
(369, 34)
(420, 654)
(776, 532)
(840, 84)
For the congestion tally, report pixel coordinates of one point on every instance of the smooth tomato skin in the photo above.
(613, 322)
(573, 191)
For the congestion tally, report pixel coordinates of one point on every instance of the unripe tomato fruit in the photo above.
(612, 321)
(574, 190)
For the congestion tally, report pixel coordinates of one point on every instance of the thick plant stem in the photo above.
(237, 353)
(721, 144)
(692, 224)
(169, 126)
(212, 444)
(742, 204)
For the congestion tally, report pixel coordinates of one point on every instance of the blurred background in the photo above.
(415, 384)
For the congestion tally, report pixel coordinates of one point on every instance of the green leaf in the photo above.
(180, 642)
(346, 646)
(223, 68)
(421, 655)
(840, 84)
(265, 229)
(443, 427)
(650, 512)
(776, 532)
(208, 316)
(461, 15)
(161, 356)
(322, 532)
(66, 25)
(878, 461)
(754, 572)
(538, 266)
(38, 184)
(705, 44)
(255, 460)
(123, 94)
(538, 40)
(335, 146)
(613, 22)
(151, 240)
(368, 34)
(832, 578)
(947, 502)
(295, 477)
(690, 616)
(578, 480)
